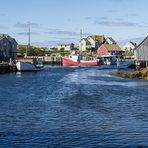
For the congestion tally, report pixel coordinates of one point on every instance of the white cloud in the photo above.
(25, 25)
(116, 23)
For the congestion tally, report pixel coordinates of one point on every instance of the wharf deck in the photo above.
(6, 68)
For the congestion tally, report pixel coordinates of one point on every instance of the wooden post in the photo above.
(118, 64)
(137, 65)
(146, 64)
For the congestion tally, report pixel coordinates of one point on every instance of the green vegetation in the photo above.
(128, 53)
(60, 52)
(31, 50)
(36, 51)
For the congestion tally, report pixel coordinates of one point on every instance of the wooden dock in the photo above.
(52, 60)
(6, 68)
(47, 60)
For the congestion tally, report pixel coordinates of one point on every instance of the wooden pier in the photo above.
(47, 60)
(6, 68)
(52, 60)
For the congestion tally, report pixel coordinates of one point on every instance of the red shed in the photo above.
(109, 49)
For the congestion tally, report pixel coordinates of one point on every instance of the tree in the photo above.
(32, 51)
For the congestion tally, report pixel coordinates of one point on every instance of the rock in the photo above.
(140, 74)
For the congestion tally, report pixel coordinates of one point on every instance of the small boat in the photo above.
(108, 60)
(122, 65)
(26, 66)
(76, 60)
(39, 64)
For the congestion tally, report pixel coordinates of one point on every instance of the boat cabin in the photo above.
(76, 58)
(107, 60)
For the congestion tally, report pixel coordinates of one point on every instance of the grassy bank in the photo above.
(140, 74)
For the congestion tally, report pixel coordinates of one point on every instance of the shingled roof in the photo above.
(1, 36)
(112, 47)
(85, 39)
(111, 40)
(7, 37)
(98, 38)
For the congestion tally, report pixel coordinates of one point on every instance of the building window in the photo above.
(5, 44)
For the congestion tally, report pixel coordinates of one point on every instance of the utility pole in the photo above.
(29, 34)
(28, 46)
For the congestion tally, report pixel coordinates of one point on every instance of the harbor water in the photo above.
(78, 107)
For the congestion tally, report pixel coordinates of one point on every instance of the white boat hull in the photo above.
(25, 66)
(122, 65)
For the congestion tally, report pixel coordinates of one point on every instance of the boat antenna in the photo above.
(81, 33)
(80, 41)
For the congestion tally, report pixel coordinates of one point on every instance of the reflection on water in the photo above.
(72, 107)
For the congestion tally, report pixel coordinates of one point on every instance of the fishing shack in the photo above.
(141, 54)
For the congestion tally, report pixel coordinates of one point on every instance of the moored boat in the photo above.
(26, 66)
(108, 60)
(76, 60)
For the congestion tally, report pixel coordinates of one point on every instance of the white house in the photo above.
(66, 47)
(110, 40)
(130, 46)
(91, 42)
(84, 44)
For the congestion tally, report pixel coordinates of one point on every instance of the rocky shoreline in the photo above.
(140, 74)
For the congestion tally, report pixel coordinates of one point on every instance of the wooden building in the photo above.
(109, 50)
(66, 47)
(141, 53)
(8, 47)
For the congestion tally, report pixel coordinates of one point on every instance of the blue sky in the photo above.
(60, 21)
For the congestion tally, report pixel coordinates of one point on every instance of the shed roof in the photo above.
(141, 43)
(112, 47)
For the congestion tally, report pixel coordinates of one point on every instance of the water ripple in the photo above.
(72, 107)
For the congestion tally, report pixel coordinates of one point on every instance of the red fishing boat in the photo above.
(75, 60)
